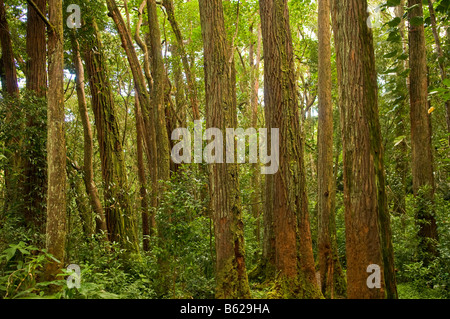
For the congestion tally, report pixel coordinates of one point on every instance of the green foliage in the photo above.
(21, 271)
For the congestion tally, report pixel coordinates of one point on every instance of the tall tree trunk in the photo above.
(11, 91)
(158, 91)
(400, 152)
(220, 82)
(294, 259)
(36, 73)
(118, 210)
(88, 169)
(191, 85)
(331, 274)
(56, 143)
(368, 235)
(422, 156)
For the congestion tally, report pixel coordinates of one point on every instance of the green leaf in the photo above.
(395, 22)
(416, 21)
(392, 3)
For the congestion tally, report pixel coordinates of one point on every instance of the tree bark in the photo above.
(331, 275)
(220, 82)
(368, 235)
(422, 156)
(157, 97)
(88, 170)
(118, 209)
(36, 74)
(56, 144)
(294, 259)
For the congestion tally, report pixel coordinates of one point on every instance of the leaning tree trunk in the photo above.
(118, 209)
(422, 156)
(294, 260)
(368, 234)
(231, 275)
(331, 275)
(88, 170)
(56, 144)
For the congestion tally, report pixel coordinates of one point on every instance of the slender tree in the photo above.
(331, 274)
(294, 261)
(220, 82)
(88, 169)
(368, 234)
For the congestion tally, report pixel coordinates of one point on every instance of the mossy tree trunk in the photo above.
(368, 235)
(118, 210)
(56, 143)
(35, 176)
(88, 169)
(220, 82)
(294, 260)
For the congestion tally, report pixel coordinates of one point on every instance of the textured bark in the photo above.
(368, 235)
(118, 209)
(191, 85)
(220, 82)
(56, 144)
(331, 275)
(422, 156)
(36, 73)
(294, 259)
(88, 169)
(157, 98)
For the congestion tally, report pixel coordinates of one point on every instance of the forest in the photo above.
(225, 149)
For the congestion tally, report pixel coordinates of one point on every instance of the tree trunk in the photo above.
(400, 151)
(191, 85)
(36, 73)
(147, 110)
(422, 156)
(11, 91)
(88, 170)
(118, 209)
(368, 235)
(294, 259)
(220, 82)
(56, 144)
(159, 80)
(331, 274)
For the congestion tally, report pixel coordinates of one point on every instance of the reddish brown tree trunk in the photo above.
(368, 236)
(294, 259)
